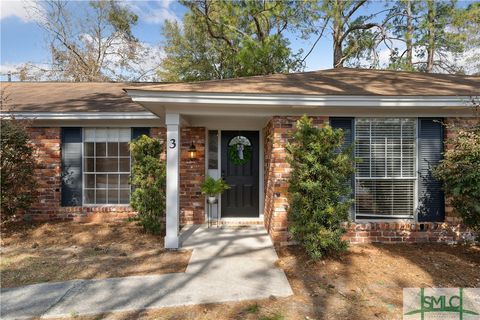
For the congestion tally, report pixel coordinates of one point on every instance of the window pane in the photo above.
(124, 151)
(113, 196)
(112, 135)
(124, 196)
(124, 181)
(89, 165)
(124, 135)
(124, 165)
(89, 134)
(101, 181)
(89, 149)
(90, 196)
(90, 181)
(212, 149)
(112, 181)
(385, 197)
(387, 158)
(100, 134)
(106, 152)
(112, 149)
(101, 196)
(100, 149)
(107, 165)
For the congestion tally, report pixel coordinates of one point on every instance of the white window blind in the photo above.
(386, 172)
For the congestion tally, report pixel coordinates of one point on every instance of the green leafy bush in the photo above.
(460, 174)
(319, 188)
(17, 168)
(149, 182)
(211, 187)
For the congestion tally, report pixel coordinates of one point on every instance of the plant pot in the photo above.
(212, 200)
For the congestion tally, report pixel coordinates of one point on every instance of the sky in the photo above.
(23, 41)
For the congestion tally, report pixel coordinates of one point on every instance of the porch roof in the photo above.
(340, 81)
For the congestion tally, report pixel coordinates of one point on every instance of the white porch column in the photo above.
(172, 120)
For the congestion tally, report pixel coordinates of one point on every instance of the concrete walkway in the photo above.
(226, 265)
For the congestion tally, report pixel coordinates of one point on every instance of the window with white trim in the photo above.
(106, 165)
(385, 178)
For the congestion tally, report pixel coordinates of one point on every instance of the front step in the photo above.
(237, 222)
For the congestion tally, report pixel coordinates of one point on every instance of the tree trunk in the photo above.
(338, 34)
(337, 54)
(431, 35)
(409, 35)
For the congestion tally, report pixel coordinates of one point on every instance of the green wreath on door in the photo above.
(239, 150)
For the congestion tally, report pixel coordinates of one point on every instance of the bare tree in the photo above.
(97, 45)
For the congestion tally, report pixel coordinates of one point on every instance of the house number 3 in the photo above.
(173, 144)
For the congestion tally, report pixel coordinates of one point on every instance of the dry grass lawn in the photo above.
(364, 284)
(69, 250)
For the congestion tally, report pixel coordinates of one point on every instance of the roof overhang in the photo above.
(266, 100)
(146, 115)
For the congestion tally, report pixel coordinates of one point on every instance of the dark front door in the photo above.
(240, 156)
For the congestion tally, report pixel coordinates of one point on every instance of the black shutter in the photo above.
(71, 167)
(431, 200)
(137, 132)
(347, 125)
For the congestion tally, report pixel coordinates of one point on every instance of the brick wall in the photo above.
(48, 170)
(276, 135)
(450, 215)
(276, 171)
(394, 232)
(47, 142)
(192, 174)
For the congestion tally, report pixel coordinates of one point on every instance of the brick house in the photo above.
(82, 131)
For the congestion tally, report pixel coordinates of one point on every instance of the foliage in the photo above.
(355, 36)
(17, 167)
(460, 172)
(89, 41)
(227, 39)
(212, 187)
(467, 22)
(148, 182)
(429, 35)
(318, 188)
(234, 157)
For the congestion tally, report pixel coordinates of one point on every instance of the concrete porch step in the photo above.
(237, 222)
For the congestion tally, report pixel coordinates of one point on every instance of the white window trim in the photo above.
(102, 205)
(390, 218)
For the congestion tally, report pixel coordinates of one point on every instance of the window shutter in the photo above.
(347, 125)
(71, 166)
(137, 132)
(431, 200)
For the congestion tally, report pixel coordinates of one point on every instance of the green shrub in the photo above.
(319, 188)
(17, 169)
(148, 182)
(460, 173)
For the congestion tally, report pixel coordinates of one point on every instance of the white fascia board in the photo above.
(81, 115)
(297, 100)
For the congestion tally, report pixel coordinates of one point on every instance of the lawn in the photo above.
(34, 253)
(366, 283)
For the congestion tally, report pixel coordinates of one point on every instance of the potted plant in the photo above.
(211, 187)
